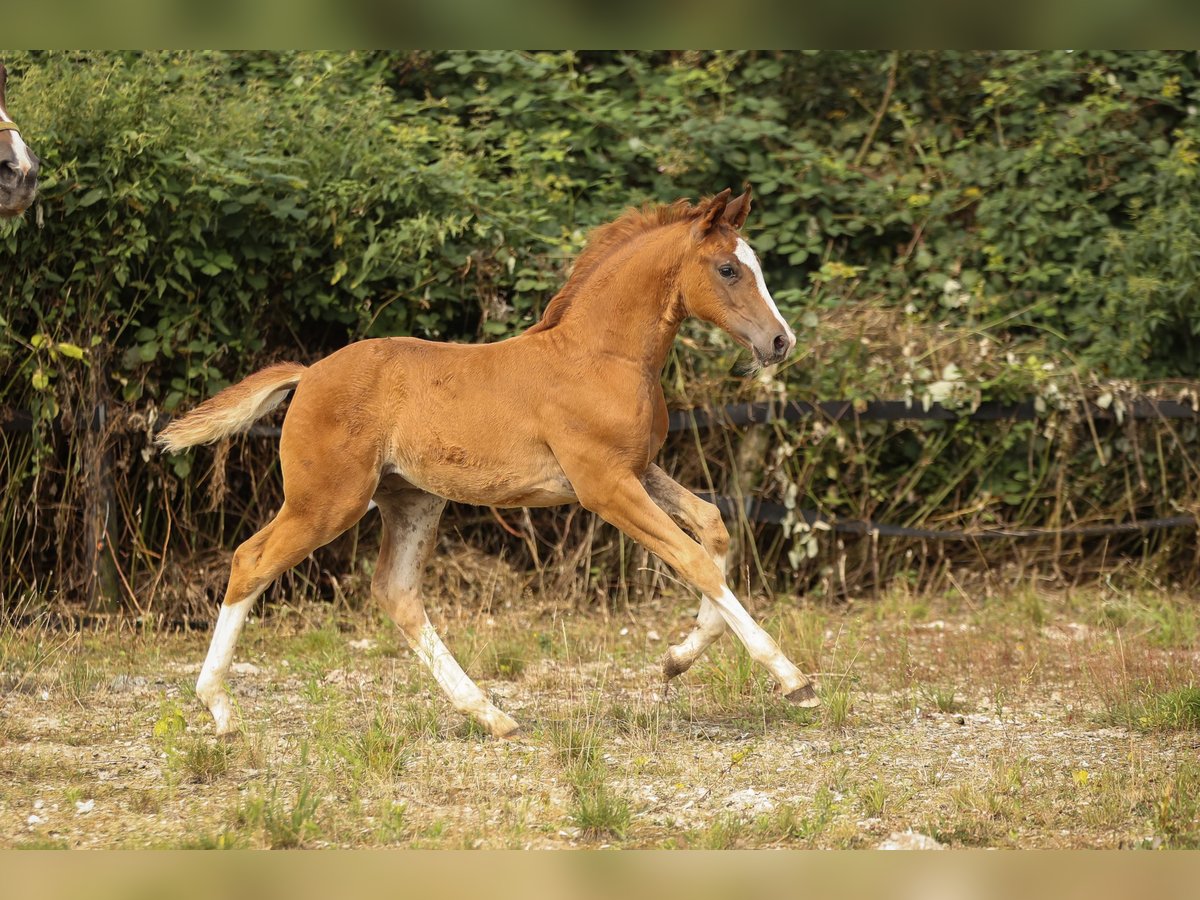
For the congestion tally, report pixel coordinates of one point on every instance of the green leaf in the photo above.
(70, 350)
(90, 197)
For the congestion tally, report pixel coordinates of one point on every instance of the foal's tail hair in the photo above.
(234, 409)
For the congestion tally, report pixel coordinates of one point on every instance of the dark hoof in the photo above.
(671, 668)
(804, 696)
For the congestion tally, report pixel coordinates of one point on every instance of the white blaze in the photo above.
(24, 160)
(750, 261)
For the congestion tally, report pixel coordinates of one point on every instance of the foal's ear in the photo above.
(711, 212)
(3, 79)
(738, 209)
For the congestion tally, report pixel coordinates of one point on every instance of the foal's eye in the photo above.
(727, 271)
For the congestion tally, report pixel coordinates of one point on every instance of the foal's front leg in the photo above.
(624, 502)
(705, 522)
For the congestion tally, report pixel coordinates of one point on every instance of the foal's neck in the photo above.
(631, 306)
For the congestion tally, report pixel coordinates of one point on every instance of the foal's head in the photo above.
(723, 283)
(18, 164)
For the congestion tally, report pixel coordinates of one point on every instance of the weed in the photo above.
(506, 660)
(318, 650)
(575, 741)
(807, 633)
(1032, 608)
(203, 760)
(836, 706)
(380, 750)
(170, 724)
(873, 798)
(391, 823)
(643, 722)
(281, 825)
(316, 692)
(1151, 710)
(78, 679)
(729, 678)
(419, 720)
(724, 833)
(1164, 621)
(1176, 815)
(787, 824)
(943, 699)
(221, 840)
(596, 809)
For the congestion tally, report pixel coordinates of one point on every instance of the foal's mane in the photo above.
(602, 242)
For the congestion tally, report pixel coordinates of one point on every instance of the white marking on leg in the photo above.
(759, 644)
(210, 686)
(462, 691)
(710, 625)
(750, 261)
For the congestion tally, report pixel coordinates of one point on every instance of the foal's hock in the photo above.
(572, 410)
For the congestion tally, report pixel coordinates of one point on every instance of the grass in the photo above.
(576, 741)
(837, 706)
(382, 749)
(377, 757)
(942, 698)
(1176, 811)
(725, 832)
(1164, 620)
(873, 798)
(204, 760)
(277, 822)
(1151, 710)
(598, 810)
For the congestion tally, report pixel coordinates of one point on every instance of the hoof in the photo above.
(671, 668)
(227, 737)
(512, 734)
(804, 696)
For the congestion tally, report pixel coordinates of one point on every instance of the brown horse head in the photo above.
(18, 164)
(723, 283)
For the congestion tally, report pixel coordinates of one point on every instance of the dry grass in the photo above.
(1040, 720)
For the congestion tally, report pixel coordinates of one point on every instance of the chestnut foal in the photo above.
(571, 410)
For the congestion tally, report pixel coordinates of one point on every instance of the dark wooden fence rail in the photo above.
(759, 510)
(763, 413)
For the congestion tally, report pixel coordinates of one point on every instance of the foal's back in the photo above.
(457, 420)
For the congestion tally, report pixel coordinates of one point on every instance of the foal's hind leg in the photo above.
(410, 521)
(286, 540)
(704, 521)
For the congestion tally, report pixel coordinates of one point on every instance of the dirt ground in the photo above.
(1030, 721)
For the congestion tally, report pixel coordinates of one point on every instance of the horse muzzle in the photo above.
(776, 348)
(18, 187)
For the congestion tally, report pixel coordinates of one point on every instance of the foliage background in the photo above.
(939, 226)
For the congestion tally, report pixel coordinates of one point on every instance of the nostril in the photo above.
(781, 343)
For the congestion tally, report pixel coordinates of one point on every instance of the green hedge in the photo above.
(1025, 221)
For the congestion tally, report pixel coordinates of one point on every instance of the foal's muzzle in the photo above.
(775, 349)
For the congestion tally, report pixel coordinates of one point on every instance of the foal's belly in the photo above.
(474, 478)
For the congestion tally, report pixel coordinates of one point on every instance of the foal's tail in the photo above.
(234, 409)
